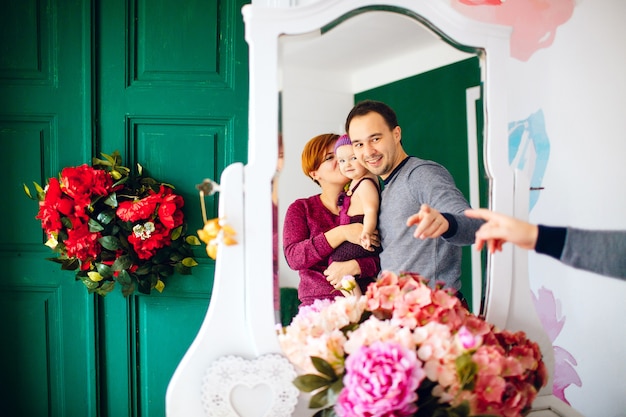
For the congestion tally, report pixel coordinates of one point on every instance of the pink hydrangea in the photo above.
(374, 330)
(315, 332)
(381, 380)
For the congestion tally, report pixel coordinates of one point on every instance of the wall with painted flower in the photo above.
(567, 106)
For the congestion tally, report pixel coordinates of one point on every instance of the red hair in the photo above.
(315, 151)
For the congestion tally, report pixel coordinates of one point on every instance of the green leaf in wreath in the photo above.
(176, 256)
(193, 240)
(128, 289)
(105, 288)
(324, 367)
(149, 181)
(105, 270)
(189, 262)
(40, 192)
(122, 263)
(67, 223)
(164, 271)
(91, 285)
(144, 269)
(160, 257)
(27, 191)
(111, 200)
(94, 226)
(123, 277)
(106, 217)
(177, 232)
(182, 269)
(110, 243)
(70, 264)
(109, 162)
(144, 286)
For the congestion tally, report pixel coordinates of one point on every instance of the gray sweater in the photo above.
(600, 251)
(415, 182)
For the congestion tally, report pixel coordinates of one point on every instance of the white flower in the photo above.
(144, 231)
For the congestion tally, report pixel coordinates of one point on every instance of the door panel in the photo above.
(47, 357)
(165, 83)
(172, 96)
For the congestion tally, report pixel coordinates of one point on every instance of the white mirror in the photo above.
(288, 50)
(240, 321)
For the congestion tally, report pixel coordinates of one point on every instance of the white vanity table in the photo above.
(234, 366)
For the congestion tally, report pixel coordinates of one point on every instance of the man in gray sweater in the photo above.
(417, 193)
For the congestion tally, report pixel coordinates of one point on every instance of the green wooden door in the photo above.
(165, 83)
(47, 354)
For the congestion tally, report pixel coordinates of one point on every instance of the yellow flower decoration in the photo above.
(214, 232)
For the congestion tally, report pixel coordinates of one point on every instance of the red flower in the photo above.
(83, 181)
(169, 210)
(146, 248)
(53, 206)
(133, 211)
(81, 243)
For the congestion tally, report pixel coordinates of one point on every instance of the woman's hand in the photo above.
(499, 229)
(337, 270)
(349, 233)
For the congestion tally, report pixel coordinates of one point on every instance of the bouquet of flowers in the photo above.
(112, 226)
(404, 349)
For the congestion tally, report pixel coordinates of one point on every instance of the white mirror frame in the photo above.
(239, 329)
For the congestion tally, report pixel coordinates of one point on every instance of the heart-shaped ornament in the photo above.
(261, 387)
(251, 401)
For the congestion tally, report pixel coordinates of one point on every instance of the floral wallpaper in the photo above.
(529, 150)
(534, 22)
(549, 311)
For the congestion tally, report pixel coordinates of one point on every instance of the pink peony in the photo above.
(380, 380)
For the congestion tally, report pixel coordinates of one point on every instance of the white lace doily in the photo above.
(262, 387)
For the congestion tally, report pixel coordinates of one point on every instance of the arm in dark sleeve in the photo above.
(370, 266)
(550, 241)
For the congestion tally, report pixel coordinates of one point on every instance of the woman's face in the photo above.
(328, 171)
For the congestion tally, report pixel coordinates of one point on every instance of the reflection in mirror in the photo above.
(388, 56)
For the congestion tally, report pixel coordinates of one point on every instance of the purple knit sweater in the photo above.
(307, 250)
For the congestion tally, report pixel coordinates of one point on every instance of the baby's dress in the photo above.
(348, 250)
